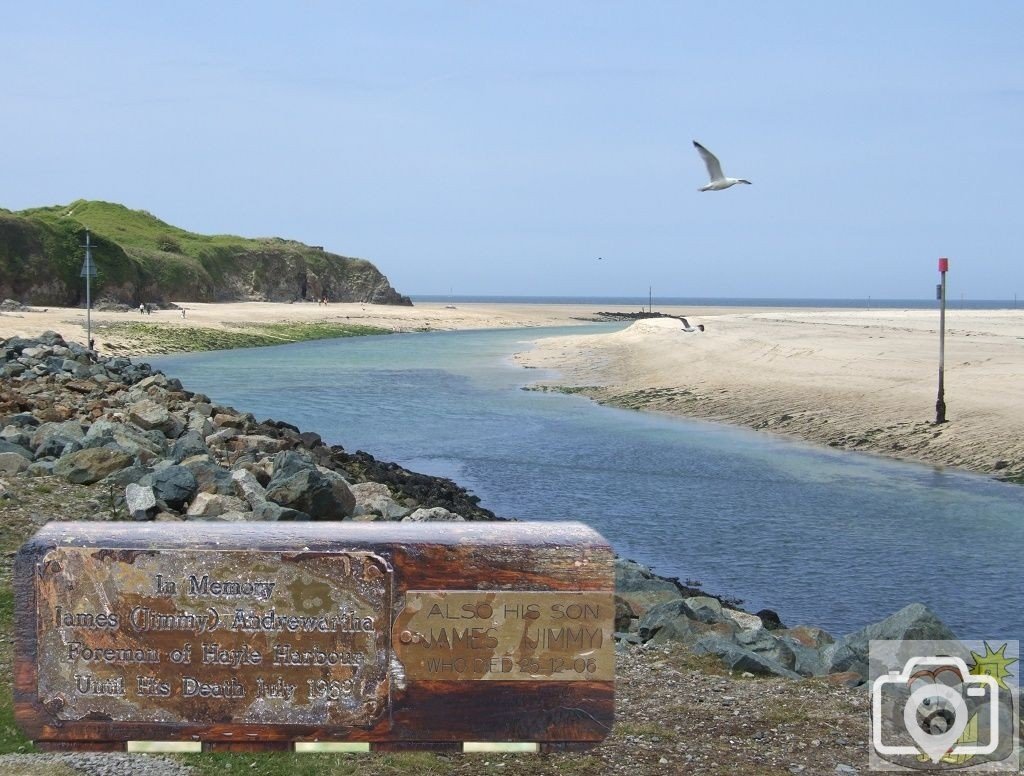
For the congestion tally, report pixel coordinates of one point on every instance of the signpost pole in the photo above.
(940, 403)
(88, 271)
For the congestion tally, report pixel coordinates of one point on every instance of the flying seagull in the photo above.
(718, 180)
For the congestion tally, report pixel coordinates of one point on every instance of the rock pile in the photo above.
(164, 453)
(653, 610)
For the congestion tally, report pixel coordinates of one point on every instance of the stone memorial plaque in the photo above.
(255, 637)
(506, 635)
(212, 636)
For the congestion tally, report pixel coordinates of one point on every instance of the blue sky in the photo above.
(500, 148)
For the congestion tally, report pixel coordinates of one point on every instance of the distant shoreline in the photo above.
(633, 302)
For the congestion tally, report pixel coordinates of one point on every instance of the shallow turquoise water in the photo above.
(829, 538)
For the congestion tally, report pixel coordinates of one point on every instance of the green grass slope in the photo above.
(140, 258)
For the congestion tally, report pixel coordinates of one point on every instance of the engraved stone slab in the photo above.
(211, 636)
(506, 635)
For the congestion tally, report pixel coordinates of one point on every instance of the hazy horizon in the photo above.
(484, 149)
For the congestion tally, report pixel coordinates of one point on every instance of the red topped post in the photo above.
(940, 404)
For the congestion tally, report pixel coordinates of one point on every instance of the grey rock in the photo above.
(659, 615)
(638, 585)
(84, 467)
(705, 609)
(374, 498)
(124, 477)
(150, 415)
(763, 643)
(13, 463)
(175, 485)
(289, 462)
(248, 487)
(268, 510)
(11, 447)
(210, 476)
(188, 444)
(739, 659)
(213, 505)
(140, 501)
(144, 444)
(912, 622)
(298, 484)
(54, 436)
(40, 468)
(22, 420)
(433, 514)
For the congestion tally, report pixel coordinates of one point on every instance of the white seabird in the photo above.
(718, 180)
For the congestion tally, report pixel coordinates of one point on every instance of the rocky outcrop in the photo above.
(142, 259)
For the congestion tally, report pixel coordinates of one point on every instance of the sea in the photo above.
(830, 538)
(866, 303)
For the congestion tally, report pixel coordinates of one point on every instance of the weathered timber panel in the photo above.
(388, 633)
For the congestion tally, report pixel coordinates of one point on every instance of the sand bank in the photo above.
(855, 379)
(112, 330)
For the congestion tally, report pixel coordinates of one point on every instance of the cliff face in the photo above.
(142, 259)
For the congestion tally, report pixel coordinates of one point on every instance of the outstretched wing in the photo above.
(710, 161)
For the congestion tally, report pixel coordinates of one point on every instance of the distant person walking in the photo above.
(182, 312)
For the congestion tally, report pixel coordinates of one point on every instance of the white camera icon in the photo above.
(936, 714)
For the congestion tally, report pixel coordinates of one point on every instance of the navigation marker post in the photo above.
(88, 272)
(940, 292)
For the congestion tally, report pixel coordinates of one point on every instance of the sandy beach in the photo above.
(855, 379)
(236, 316)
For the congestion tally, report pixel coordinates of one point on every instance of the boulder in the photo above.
(434, 514)
(15, 449)
(659, 615)
(624, 615)
(188, 444)
(912, 622)
(770, 619)
(140, 501)
(807, 635)
(150, 415)
(84, 467)
(687, 631)
(744, 620)
(637, 585)
(248, 487)
(130, 438)
(22, 420)
(268, 510)
(373, 499)
(705, 609)
(13, 463)
(55, 436)
(738, 658)
(255, 443)
(174, 485)
(763, 643)
(212, 505)
(210, 476)
(297, 484)
(40, 469)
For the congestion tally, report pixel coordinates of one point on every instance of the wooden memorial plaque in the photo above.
(257, 635)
